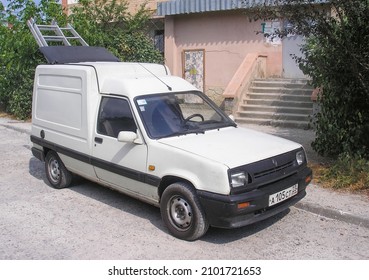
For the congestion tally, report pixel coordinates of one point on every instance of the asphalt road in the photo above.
(88, 221)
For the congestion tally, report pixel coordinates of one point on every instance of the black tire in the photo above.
(182, 213)
(57, 175)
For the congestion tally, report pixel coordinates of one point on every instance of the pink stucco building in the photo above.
(217, 41)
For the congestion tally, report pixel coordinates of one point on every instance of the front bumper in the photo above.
(223, 210)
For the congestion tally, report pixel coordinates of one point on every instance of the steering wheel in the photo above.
(193, 116)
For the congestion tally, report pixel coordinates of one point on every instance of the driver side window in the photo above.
(115, 115)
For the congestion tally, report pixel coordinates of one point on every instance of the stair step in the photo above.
(284, 83)
(284, 80)
(284, 97)
(278, 90)
(279, 123)
(274, 116)
(281, 103)
(276, 109)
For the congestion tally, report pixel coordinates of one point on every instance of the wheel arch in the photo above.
(168, 180)
(46, 150)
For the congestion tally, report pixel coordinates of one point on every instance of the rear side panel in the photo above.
(60, 100)
(60, 110)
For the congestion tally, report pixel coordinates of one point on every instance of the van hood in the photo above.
(232, 146)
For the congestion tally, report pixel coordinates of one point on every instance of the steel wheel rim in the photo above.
(54, 170)
(180, 213)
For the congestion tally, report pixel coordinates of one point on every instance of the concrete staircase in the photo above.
(277, 102)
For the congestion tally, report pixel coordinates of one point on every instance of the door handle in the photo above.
(98, 140)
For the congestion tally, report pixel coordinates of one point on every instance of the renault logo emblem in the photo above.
(275, 162)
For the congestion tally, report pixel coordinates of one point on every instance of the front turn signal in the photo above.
(308, 179)
(243, 205)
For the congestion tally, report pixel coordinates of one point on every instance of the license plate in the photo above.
(283, 195)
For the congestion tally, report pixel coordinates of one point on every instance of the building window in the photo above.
(159, 40)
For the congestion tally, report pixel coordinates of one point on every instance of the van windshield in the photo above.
(174, 114)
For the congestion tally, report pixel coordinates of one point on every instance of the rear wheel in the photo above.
(58, 176)
(182, 213)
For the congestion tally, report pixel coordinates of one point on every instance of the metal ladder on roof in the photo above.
(57, 36)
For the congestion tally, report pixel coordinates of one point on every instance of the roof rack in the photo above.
(59, 34)
(65, 52)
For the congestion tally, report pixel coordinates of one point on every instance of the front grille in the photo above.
(267, 171)
(270, 171)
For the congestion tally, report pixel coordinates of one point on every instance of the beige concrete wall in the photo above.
(226, 38)
(134, 5)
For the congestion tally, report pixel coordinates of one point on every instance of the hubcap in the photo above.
(180, 212)
(54, 170)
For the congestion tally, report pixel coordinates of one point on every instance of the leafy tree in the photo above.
(108, 24)
(2, 12)
(336, 57)
(19, 54)
(100, 22)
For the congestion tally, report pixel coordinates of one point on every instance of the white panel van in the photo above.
(129, 126)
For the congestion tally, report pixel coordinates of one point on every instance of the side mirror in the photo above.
(127, 136)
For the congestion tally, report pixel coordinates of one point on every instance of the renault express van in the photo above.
(136, 128)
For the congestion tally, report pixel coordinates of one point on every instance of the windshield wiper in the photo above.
(184, 132)
(172, 134)
(197, 131)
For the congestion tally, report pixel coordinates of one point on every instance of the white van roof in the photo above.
(128, 69)
(130, 79)
(134, 79)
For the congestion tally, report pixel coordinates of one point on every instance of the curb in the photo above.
(16, 128)
(333, 214)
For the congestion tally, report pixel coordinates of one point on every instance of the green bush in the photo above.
(19, 57)
(338, 62)
(336, 57)
(100, 22)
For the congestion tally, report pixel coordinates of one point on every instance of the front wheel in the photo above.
(182, 213)
(56, 173)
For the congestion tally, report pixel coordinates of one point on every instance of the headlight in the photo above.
(300, 157)
(239, 179)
